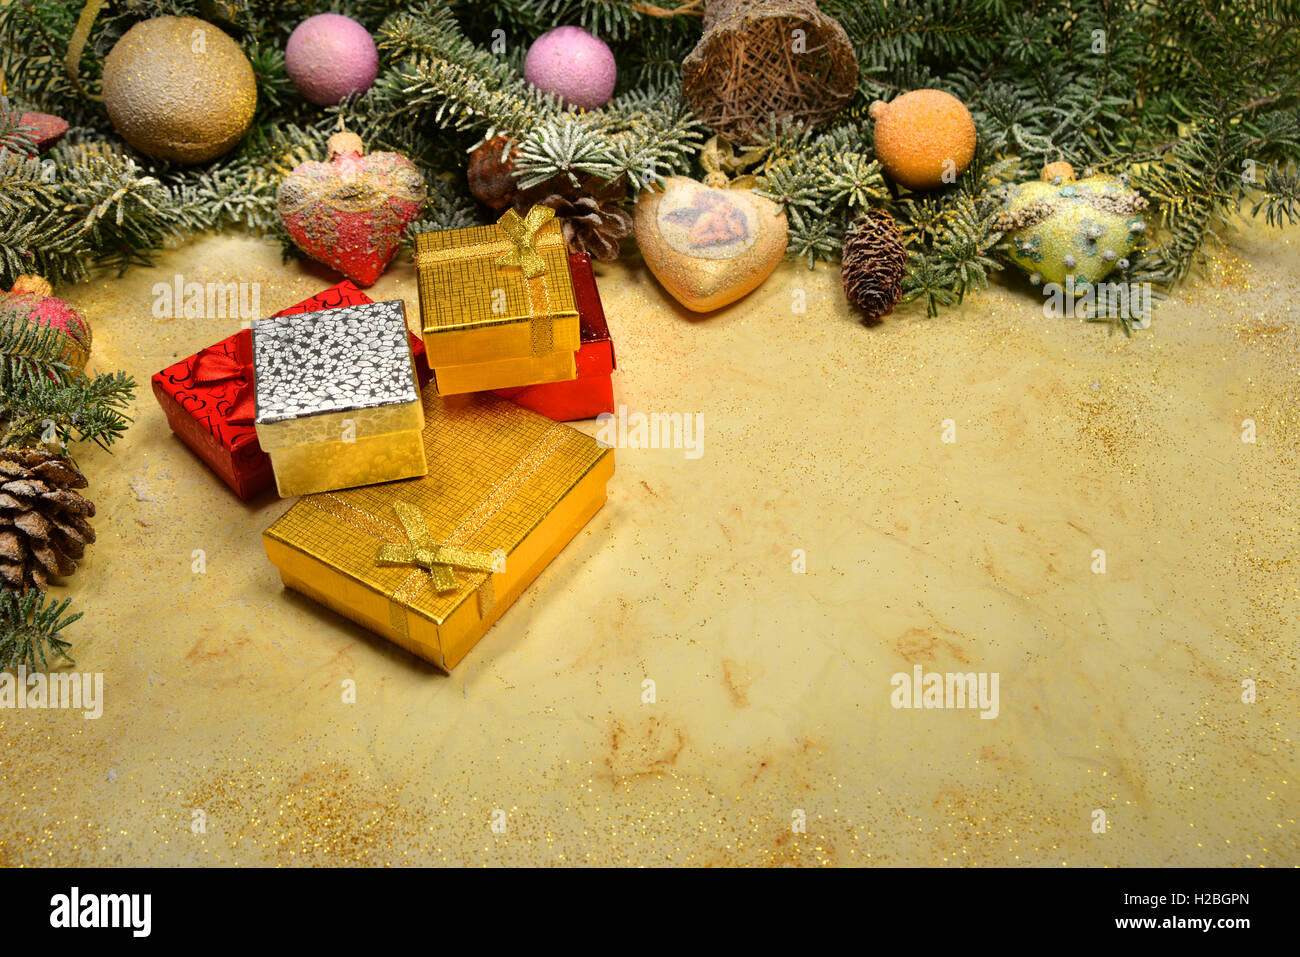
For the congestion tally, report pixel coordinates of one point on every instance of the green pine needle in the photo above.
(31, 630)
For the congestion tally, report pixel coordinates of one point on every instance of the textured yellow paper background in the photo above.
(1119, 691)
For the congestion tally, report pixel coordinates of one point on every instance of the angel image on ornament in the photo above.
(711, 221)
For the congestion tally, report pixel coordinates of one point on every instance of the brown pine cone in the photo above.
(872, 263)
(43, 527)
(591, 225)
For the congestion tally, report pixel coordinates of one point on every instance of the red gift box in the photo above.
(592, 392)
(208, 398)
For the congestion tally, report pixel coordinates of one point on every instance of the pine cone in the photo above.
(43, 527)
(873, 262)
(591, 224)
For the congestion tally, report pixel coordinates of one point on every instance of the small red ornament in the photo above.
(31, 300)
(45, 129)
(350, 212)
(491, 174)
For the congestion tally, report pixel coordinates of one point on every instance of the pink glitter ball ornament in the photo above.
(574, 65)
(330, 57)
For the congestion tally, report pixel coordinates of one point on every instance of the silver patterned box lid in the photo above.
(336, 360)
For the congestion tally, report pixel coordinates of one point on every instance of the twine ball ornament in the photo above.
(330, 57)
(32, 301)
(179, 89)
(872, 264)
(765, 59)
(922, 136)
(1065, 230)
(574, 65)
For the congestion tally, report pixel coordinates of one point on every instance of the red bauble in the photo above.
(31, 300)
(45, 129)
(351, 211)
(491, 174)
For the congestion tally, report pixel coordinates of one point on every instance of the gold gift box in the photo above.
(337, 400)
(505, 373)
(431, 563)
(493, 293)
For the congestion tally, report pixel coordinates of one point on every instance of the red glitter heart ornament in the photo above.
(350, 212)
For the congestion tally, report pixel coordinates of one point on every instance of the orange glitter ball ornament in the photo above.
(924, 139)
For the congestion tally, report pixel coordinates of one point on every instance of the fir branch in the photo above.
(31, 630)
(79, 409)
(926, 278)
(1185, 94)
(563, 145)
(1280, 202)
(30, 353)
(447, 209)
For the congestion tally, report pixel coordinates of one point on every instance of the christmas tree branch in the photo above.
(31, 630)
(80, 409)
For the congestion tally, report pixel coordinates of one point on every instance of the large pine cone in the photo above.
(43, 527)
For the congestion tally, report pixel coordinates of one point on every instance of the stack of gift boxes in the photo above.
(428, 502)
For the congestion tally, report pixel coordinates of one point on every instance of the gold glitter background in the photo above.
(1119, 691)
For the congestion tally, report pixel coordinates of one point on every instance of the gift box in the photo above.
(431, 563)
(496, 293)
(591, 391)
(337, 403)
(208, 398)
(485, 376)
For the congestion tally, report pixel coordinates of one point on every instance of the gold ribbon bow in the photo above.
(427, 553)
(522, 232)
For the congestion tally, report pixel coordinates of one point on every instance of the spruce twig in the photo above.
(31, 630)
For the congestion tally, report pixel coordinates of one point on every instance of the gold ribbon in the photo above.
(723, 167)
(522, 232)
(427, 553)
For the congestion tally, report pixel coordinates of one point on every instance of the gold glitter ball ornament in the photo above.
(709, 246)
(179, 89)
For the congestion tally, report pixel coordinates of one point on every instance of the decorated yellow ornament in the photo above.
(711, 243)
(1070, 231)
(179, 89)
(924, 139)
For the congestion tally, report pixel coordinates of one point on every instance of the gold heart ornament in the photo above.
(708, 246)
